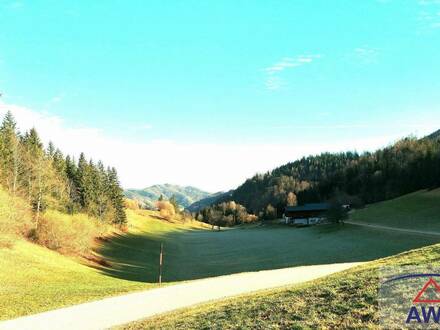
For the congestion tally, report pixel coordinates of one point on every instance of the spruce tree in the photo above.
(116, 195)
(10, 160)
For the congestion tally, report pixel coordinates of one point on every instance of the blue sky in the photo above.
(288, 74)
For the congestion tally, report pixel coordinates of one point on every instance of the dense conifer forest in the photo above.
(48, 179)
(403, 167)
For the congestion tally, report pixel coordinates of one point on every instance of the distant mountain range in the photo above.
(185, 196)
(210, 200)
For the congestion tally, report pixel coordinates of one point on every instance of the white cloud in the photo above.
(429, 15)
(366, 54)
(146, 126)
(210, 166)
(57, 98)
(273, 81)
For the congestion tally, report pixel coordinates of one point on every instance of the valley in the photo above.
(45, 279)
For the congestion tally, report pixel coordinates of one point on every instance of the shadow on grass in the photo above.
(133, 257)
(194, 254)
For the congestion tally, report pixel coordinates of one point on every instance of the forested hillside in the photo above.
(184, 196)
(406, 166)
(46, 178)
(210, 200)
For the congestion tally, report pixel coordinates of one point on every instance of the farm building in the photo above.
(308, 214)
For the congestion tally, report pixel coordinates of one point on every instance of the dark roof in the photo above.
(309, 207)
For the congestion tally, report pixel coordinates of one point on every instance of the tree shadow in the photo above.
(193, 254)
(133, 257)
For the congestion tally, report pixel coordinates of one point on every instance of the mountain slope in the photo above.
(185, 196)
(406, 166)
(210, 200)
(418, 211)
(434, 136)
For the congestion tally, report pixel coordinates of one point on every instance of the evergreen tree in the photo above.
(116, 196)
(173, 202)
(48, 179)
(10, 160)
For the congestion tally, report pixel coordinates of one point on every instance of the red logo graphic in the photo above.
(430, 284)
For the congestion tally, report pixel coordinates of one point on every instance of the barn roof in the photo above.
(309, 207)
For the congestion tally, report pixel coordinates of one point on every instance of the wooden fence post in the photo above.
(160, 264)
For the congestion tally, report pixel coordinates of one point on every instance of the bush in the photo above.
(131, 204)
(336, 213)
(69, 234)
(166, 209)
(15, 218)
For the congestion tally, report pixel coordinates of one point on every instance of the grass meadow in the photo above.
(346, 300)
(419, 211)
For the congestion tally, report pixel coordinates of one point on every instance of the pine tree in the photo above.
(10, 160)
(74, 202)
(116, 196)
(173, 202)
(50, 149)
(81, 180)
(101, 186)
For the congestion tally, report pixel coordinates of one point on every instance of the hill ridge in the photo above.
(185, 195)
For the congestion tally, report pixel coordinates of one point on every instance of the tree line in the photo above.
(226, 214)
(403, 167)
(48, 179)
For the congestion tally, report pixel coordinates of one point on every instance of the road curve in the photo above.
(109, 312)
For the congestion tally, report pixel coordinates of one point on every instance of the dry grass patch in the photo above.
(15, 219)
(70, 234)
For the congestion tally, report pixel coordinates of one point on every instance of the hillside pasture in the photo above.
(419, 211)
(194, 253)
(44, 279)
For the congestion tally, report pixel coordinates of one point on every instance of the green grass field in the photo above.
(419, 210)
(36, 279)
(198, 254)
(346, 300)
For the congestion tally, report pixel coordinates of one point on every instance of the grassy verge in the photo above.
(343, 300)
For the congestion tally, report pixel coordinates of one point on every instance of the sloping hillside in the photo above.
(185, 196)
(35, 279)
(408, 165)
(210, 200)
(418, 211)
(435, 135)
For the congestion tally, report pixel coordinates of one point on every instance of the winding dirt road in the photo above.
(119, 310)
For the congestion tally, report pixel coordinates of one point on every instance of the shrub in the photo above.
(15, 218)
(131, 204)
(69, 234)
(166, 209)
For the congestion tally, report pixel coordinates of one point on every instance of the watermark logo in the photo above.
(409, 298)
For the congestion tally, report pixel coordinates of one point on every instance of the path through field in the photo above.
(403, 230)
(120, 310)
